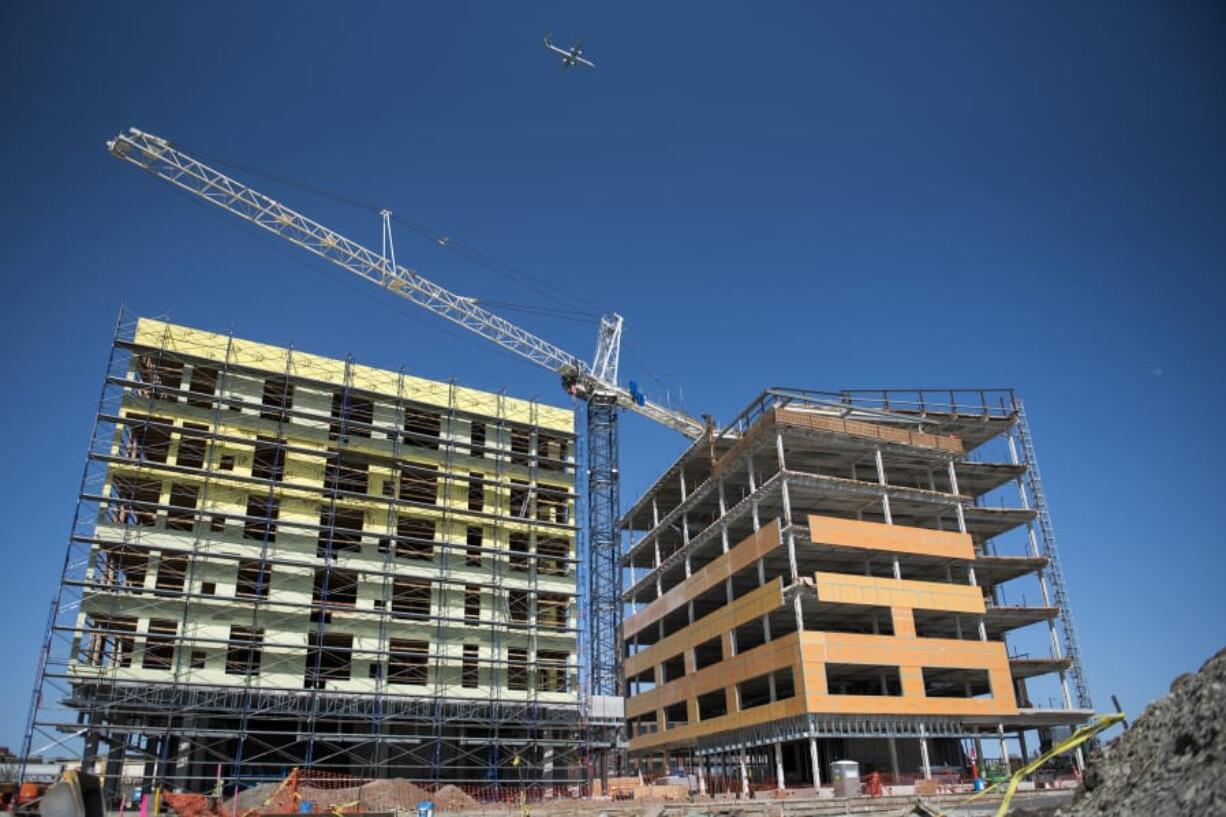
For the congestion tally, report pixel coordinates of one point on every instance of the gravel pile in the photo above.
(1172, 762)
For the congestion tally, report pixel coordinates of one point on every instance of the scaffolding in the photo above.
(282, 560)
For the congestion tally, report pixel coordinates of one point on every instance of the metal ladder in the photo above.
(1072, 649)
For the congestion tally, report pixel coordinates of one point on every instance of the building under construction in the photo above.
(833, 577)
(280, 559)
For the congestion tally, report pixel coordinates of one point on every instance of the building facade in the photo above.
(281, 559)
(834, 577)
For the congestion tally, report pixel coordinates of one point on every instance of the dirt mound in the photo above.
(1169, 764)
(188, 805)
(377, 795)
(452, 798)
(393, 794)
(328, 797)
(253, 797)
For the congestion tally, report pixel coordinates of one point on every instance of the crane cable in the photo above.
(568, 311)
(567, 299)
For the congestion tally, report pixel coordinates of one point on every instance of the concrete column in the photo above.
(779, 766)
(183, 756)
(885, 497)
(702, 775)
(113, 768)
(953, 489)
(885, 505)
(744, 775)
(793, 568)
(89, 752)
(152, 749)
(894, 759)
(685, 524)
(815, 759)
(723, 512)
(1004, 747)
(970, 575)
(753, 488)
(659, 582)
(924, 754)
(785, 496)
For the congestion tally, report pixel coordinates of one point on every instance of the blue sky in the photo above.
(810, 194)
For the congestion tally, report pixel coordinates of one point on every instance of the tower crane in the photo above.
(595, 383)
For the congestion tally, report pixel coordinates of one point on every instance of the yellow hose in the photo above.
(1074, 740)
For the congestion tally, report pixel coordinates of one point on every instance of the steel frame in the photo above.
(938, 411)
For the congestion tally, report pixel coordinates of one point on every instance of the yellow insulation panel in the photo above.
(236, 351)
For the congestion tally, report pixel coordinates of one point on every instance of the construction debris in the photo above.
(1169, 764)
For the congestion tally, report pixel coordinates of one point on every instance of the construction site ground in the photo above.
(796, 803)
(794, 806)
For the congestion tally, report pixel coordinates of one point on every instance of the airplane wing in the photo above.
(578, 49)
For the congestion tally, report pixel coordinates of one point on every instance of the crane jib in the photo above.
(159, 157)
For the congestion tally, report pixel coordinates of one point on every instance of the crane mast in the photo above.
(595, 383)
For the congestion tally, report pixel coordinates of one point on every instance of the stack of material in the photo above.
(619, 787)
(1171, 761)
(661, 792)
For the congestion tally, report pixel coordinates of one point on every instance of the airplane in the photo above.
(569, 58)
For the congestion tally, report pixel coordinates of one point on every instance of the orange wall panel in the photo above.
(910, 655)
(764, 658)
(842, 588)
(745, 552)
(685, 735)
(827, 530)
(761, 601)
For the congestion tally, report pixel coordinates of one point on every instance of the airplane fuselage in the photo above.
(569, 58)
